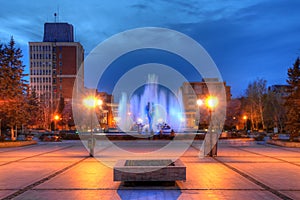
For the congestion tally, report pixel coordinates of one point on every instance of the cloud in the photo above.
(239, 35)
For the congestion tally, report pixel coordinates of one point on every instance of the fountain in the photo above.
(151, 108)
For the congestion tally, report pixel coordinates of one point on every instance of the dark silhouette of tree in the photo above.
(14, 89)
(292, 103)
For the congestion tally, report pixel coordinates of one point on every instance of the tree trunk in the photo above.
(13, 138)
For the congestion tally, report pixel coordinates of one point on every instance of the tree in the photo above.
(274, 111)
(34, 108)
(255, 101)
(292, 103)
(13, 87)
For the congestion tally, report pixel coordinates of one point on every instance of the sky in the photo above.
(247, 39)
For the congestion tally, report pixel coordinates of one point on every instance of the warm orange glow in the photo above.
(199, 102)
(212, 102)
(92, 102)
(244, 117)
(56, 117)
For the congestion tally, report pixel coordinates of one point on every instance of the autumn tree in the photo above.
(292, 103)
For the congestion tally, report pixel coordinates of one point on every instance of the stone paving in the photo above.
(242, 170)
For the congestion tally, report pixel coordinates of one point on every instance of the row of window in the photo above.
(44, 48)
(41, 64)
(40, 72)
(190, 116)
(44, 72)
(46, 87)
(42, 56)
(44, 80)
(44, 64)
(42, 87)
(40, 48)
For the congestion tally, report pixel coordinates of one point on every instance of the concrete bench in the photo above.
(149, 171)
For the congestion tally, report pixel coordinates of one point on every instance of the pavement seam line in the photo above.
(47, 178)
(20, 148)
(253, 180)
(283, 148)
(259, 154)
(35, 155)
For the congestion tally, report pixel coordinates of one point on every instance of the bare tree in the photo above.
(255, 102)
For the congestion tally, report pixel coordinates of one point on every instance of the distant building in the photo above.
(54, 65)
(280, 90)
(192, 91)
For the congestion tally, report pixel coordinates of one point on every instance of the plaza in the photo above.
(64, 170)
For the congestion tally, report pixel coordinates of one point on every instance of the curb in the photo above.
(17, 143)
(284, 144)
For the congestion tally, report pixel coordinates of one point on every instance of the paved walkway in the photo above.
(242, 170)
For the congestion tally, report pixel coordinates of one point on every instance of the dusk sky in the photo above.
(247, 39)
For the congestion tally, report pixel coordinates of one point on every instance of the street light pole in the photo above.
(245, 123)
(56, 118)
(92, 143)
(91, 102)
(211, 103)
(199, 103)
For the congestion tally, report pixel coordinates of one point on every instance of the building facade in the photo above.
(54, 64)
(192, 91)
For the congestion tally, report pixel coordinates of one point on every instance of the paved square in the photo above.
(242, 170)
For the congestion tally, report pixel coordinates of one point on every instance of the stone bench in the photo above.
(149, 171)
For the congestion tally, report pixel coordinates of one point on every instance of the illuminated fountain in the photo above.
(152, 109)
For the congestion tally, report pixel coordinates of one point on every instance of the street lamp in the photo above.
(91, 102)
(245, 123)
(199, 103)
(212, 102)
(56, 118)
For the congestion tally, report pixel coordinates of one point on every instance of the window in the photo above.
(60, 55)
(54, 81)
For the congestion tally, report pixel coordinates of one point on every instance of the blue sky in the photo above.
(247, 39)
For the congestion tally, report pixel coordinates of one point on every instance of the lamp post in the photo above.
(91, 103)
(245, 123)
(56, 118)
(212, 102)
(199, 103)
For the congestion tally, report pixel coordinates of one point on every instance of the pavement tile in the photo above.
(206, 177)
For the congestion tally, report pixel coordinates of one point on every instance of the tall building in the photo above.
(192, 91)
(54, 65)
